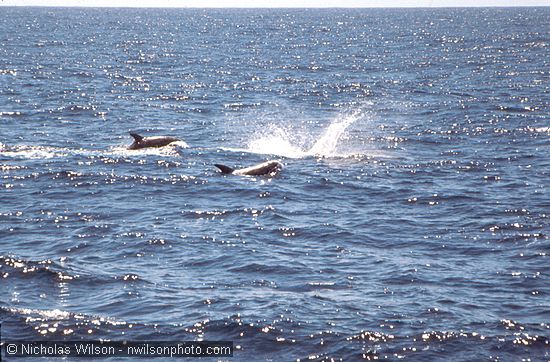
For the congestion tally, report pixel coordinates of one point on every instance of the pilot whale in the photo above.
(144, 142)
(264, 168)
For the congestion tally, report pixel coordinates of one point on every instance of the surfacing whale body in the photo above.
(145, 142)
(264, 168)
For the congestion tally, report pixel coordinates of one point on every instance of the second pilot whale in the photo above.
(264, 168)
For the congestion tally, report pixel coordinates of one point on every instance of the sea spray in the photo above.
(276, 140)
(326, 145)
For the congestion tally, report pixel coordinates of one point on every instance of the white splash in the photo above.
(282, 142)
(180, 144)
(326, 145)
(276, 142)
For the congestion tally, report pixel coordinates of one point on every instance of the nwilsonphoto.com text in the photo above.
(117, 349)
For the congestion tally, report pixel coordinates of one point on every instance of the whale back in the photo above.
(144, 142)
(265, 168)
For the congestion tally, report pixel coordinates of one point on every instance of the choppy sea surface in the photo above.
(411, 220)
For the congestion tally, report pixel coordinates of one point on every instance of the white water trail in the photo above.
(170, 150)
(47, 152)
(33, 152)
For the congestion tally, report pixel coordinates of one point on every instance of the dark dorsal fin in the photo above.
(224, 169)
(137, 137)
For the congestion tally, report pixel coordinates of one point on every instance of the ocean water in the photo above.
(411, 219)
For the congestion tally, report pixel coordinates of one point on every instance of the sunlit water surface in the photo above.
(411, 218)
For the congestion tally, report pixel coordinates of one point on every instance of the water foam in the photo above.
(33, 152)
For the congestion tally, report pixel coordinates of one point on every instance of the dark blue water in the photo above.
(411, 219)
